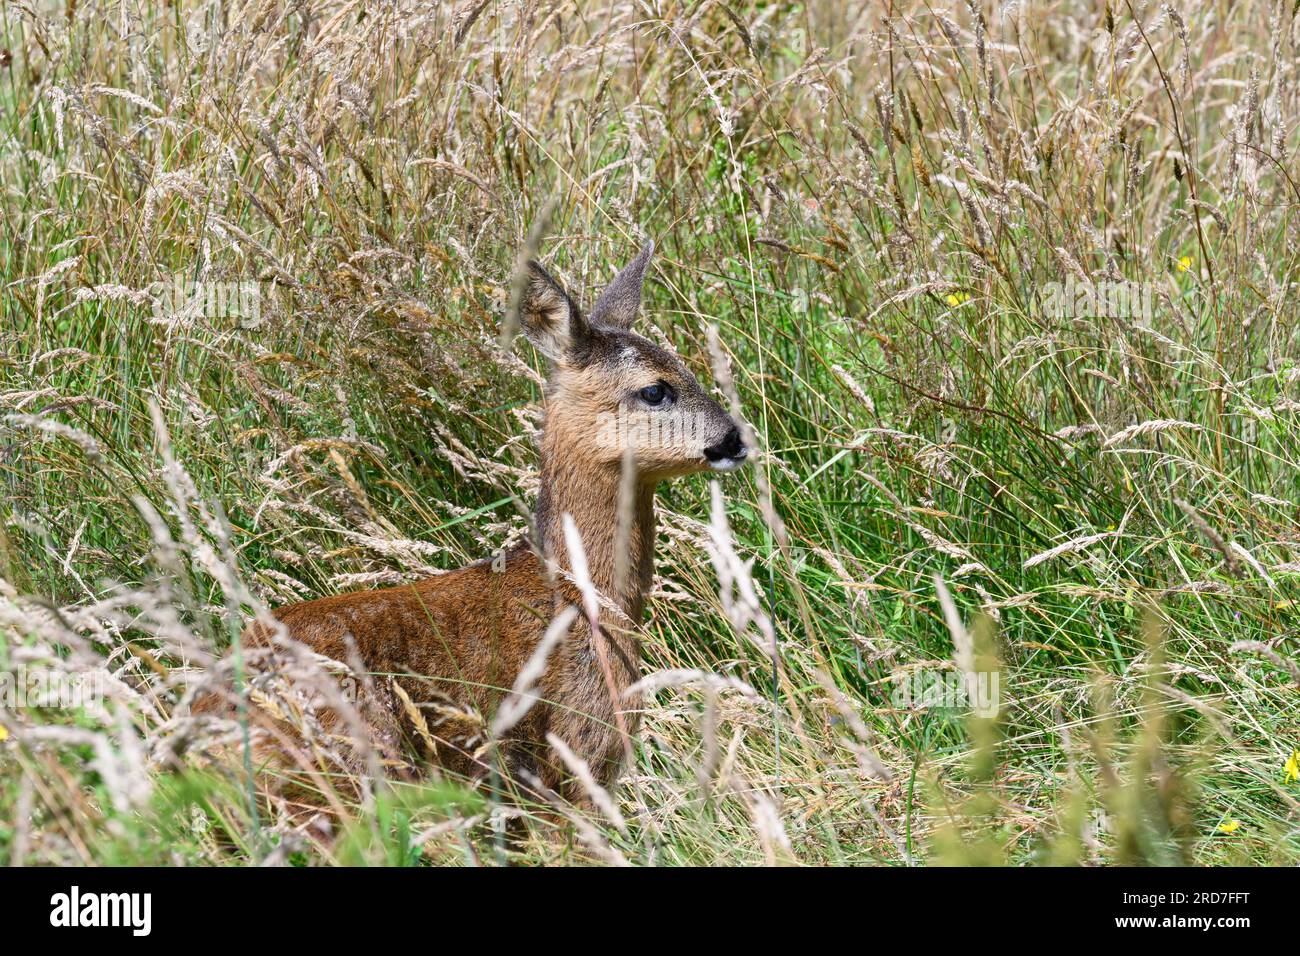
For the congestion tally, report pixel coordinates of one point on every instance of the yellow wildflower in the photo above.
(1184, 263)
(4, 732)
(1229, 826)
(1291, 769)
(957, 298)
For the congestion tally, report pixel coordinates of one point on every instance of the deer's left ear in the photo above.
(619, 305)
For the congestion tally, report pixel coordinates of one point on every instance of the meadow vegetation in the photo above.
(254, 267)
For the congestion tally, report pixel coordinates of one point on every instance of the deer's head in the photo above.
(612, 391)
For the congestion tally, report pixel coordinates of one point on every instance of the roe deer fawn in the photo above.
(621, 414)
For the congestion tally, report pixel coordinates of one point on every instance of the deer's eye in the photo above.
(656, 394)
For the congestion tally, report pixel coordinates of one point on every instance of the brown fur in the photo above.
(456, 642)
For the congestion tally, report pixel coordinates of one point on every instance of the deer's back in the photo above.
(455, 644)
(472, 628)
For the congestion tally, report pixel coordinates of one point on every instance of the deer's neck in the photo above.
(619, 547)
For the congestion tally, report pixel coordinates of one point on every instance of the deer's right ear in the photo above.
(548, 316)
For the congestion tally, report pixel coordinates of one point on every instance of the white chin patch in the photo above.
(727, 464)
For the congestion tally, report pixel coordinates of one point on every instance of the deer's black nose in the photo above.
(730, 446)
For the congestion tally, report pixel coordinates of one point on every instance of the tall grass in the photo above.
(869, 202)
